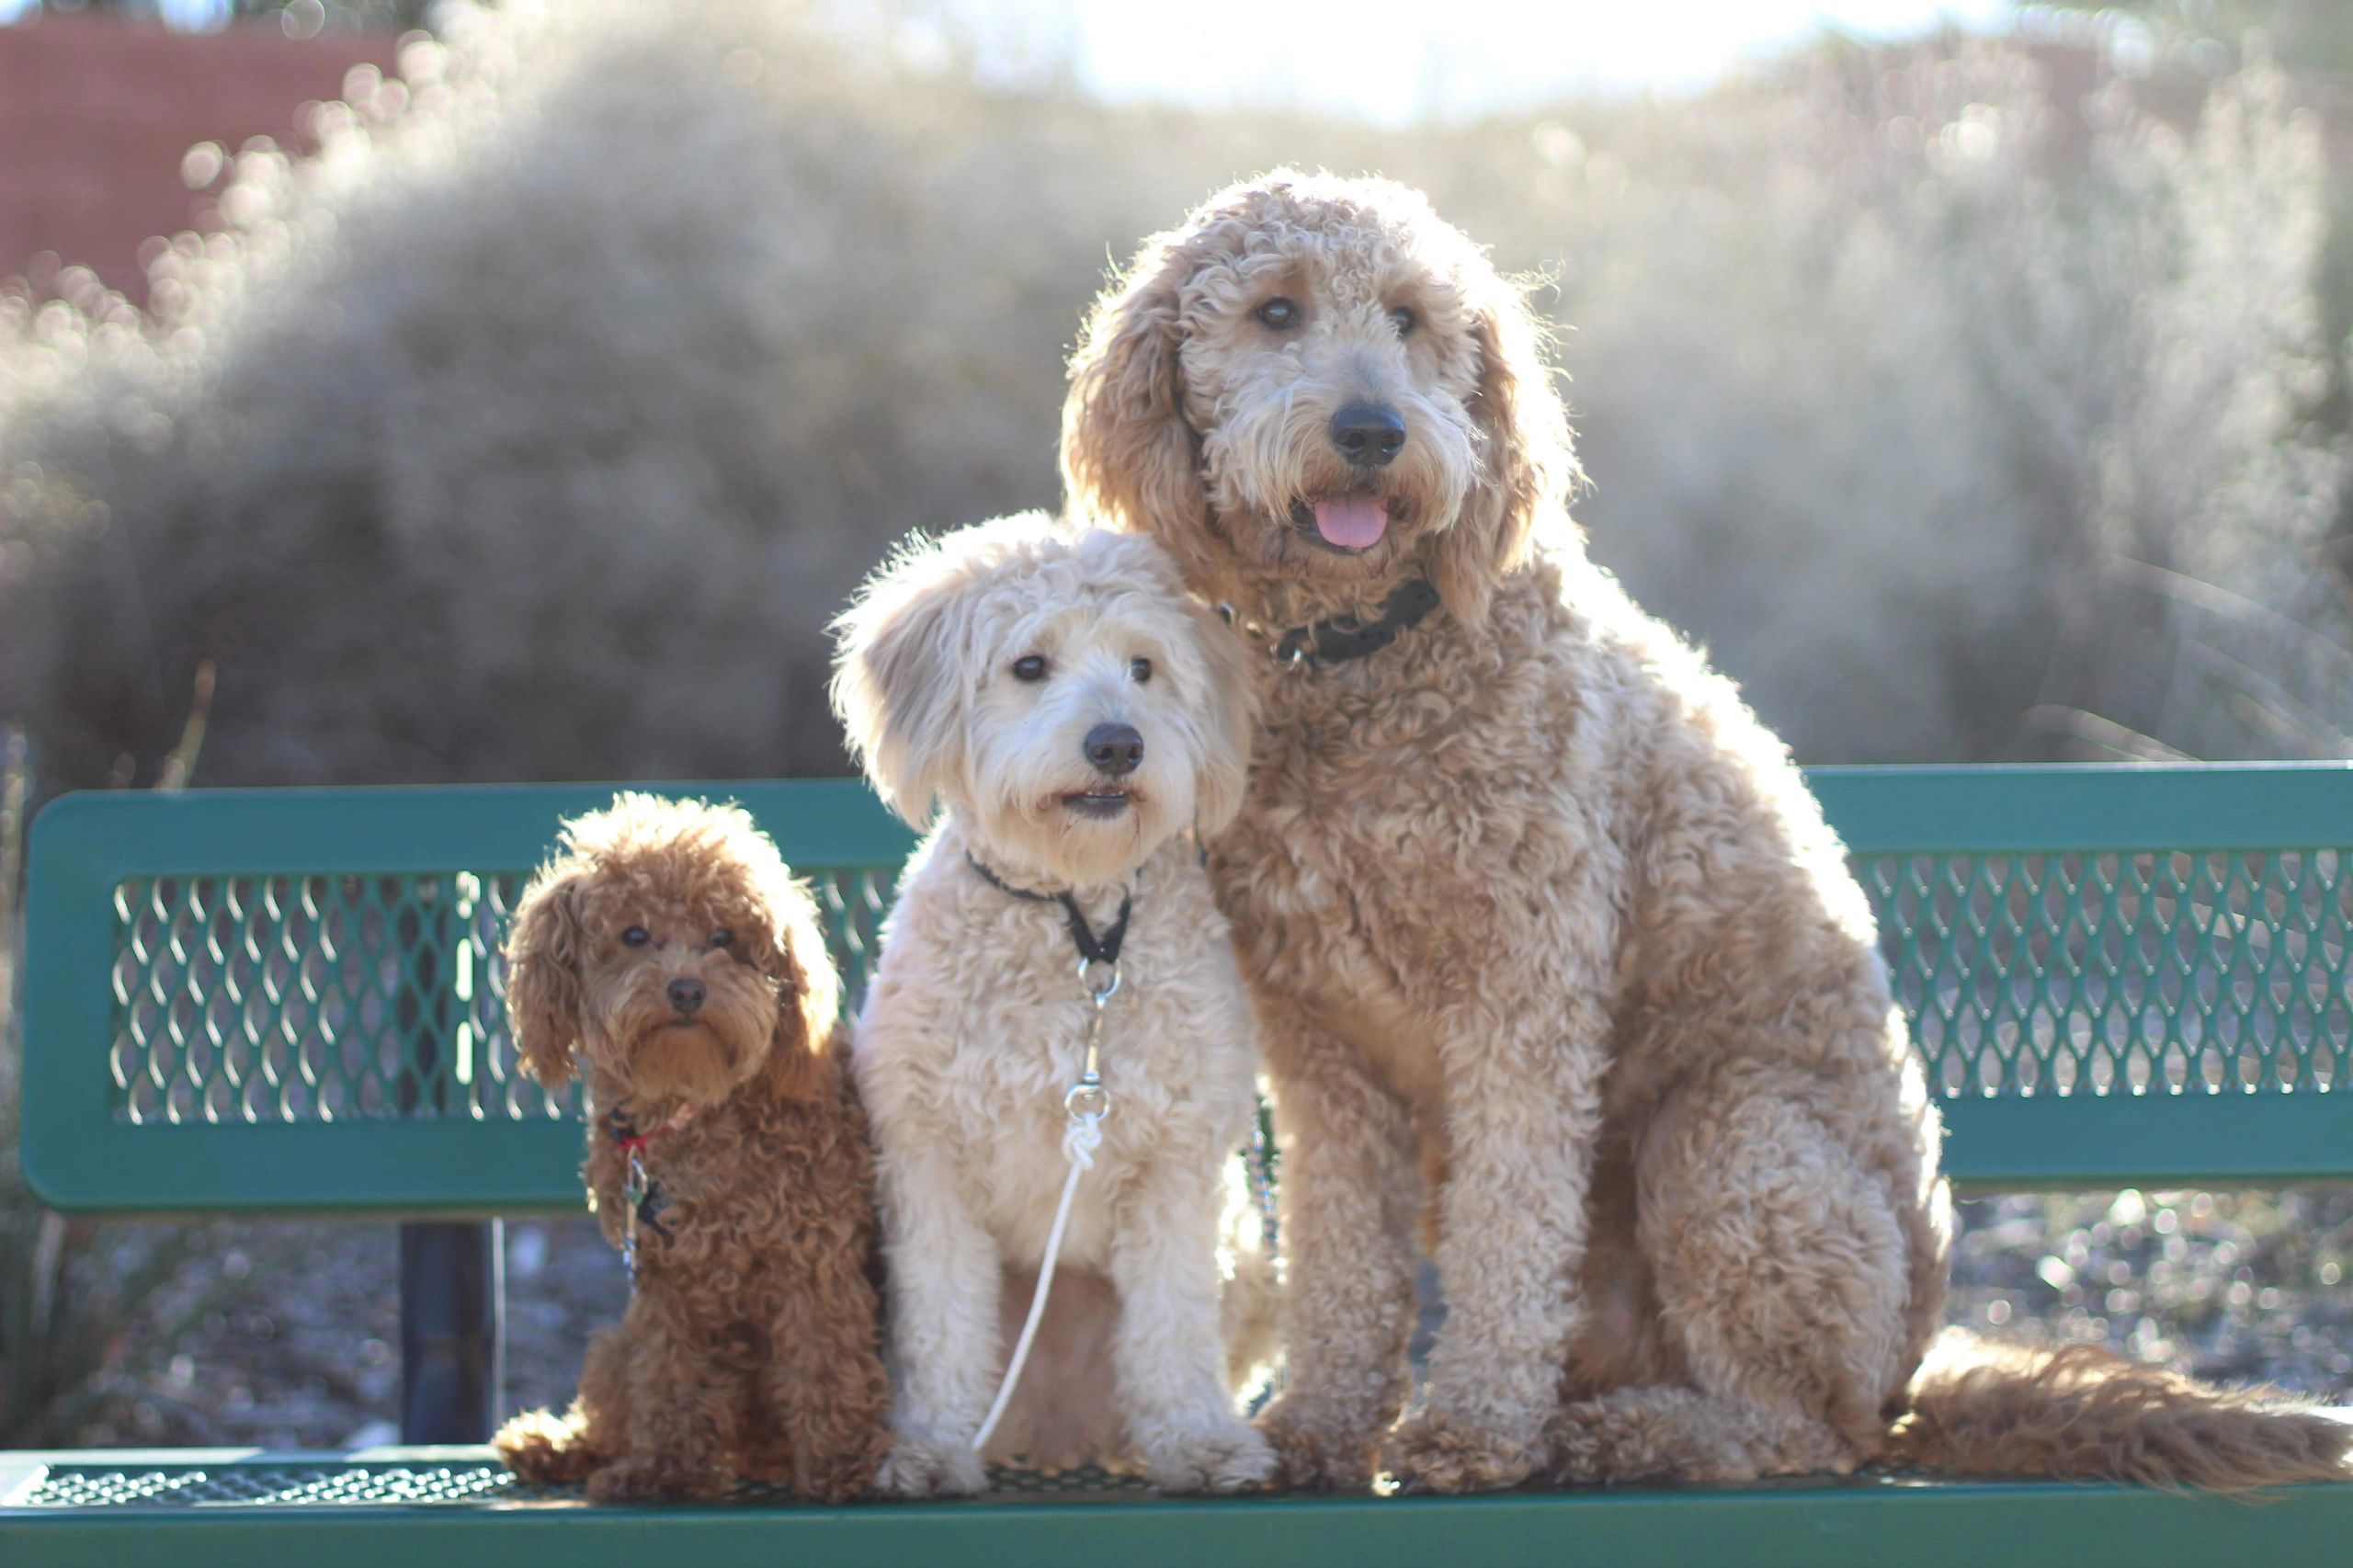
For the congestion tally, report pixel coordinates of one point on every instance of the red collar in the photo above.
(631, 1142)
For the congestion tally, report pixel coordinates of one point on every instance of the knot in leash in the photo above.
(1080, 1140)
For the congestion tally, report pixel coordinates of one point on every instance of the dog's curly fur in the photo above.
(1549, 943)
(751, 1345)
(976, 1021)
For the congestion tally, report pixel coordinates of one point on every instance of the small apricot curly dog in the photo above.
(1549, 943)
(1075, 714)
(668, 954)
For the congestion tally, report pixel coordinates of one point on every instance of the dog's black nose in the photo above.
(686, 995)
(1371, 434)
(1115, 749)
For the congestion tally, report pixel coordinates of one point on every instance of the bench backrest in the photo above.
(287, 1000)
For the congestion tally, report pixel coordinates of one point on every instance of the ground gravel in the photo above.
(294, 1341)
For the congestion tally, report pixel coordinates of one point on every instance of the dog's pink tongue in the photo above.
(1352, 522)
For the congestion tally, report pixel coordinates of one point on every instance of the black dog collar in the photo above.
(1345, 637)
(1092, 948)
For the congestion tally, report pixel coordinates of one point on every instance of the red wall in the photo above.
(95, 113)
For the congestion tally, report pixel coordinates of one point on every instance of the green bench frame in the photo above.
(2120, 977)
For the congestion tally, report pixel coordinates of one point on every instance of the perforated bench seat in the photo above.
(284, 1002)
(457, 1508)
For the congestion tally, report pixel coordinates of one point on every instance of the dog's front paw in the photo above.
(1229, 1457)
(921, 1467)
(1312, 1453)
(642, 1478)
(1434, 1452)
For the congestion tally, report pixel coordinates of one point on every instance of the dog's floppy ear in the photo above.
(898, 678)
(790, 948)
(1233, 722)
(1526, 461)
(1129, 458)
(543, 952)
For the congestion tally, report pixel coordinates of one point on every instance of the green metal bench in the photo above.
(283, 1003)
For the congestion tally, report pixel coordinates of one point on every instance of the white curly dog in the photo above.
(1081, 722)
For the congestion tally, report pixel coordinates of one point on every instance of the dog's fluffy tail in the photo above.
(548, 1450)
(1250, 1314)
(1250, 1304)
(2084, 1412)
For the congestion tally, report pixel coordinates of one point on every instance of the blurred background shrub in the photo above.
(1973, 398)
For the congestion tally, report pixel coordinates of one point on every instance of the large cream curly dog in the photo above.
(1075, 714)
(1549, 941)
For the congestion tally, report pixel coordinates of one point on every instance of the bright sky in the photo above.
(1390, 60)
(1393, 59)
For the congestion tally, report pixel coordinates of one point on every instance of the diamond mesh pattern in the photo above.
(852, 904)
(2099, 974)
(182, 1487)
(288, 999)
(297, 999)
(361, 1483)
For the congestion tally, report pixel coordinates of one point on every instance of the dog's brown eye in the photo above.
(1030, 667)
(1276, 315)
(1139, 670)
(1404, 320)
(636, 937)
(723, 937)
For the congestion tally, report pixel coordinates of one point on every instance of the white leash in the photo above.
(1087, 1104)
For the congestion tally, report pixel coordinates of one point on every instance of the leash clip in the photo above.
(634, 1187)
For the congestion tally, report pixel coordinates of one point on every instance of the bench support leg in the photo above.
(453, 1329)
